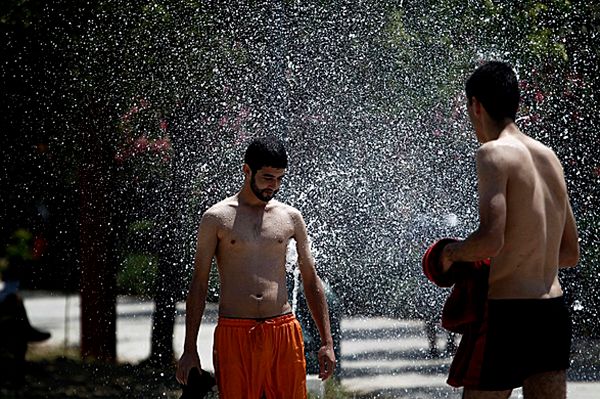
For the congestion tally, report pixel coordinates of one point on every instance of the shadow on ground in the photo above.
(62, 377)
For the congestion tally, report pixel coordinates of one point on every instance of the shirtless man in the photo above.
(258, 347)
(528, 230)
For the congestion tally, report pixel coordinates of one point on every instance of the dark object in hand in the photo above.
(200, 382)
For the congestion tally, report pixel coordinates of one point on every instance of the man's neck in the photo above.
(494, 130)
(248, 198)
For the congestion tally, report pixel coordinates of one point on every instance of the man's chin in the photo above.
(264, 197)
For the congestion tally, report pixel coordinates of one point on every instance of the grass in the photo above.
(333, 390)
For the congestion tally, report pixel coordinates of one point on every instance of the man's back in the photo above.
(536, 210)
(527, 228)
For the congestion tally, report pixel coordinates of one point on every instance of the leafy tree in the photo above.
(72, 71)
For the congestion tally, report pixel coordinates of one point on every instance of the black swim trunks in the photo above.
(524, 337)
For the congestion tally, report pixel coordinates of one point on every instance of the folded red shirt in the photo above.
(432, 263)
(469, 282)
(464, 311)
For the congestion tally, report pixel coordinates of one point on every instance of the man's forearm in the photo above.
(194, 310)
(474, 248)
(317, 303)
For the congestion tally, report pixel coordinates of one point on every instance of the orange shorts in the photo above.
(257, 359)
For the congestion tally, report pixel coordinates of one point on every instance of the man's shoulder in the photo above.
(517, 149)
(500, 144)
(492, 152)
(282, 206)
(502, 152)
(285, 208)
(221, 209)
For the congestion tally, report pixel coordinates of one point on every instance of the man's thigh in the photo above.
(287, 378)
(475, 394)
(547, 385)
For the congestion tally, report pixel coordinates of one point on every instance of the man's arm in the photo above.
(196, 299)
(487, 241)
(568, 255)
(315, 297)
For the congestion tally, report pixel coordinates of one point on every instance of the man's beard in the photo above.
(260, 194)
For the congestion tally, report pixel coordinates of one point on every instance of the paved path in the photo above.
(378, 355)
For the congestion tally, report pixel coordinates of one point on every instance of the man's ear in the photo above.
(476, 106)
(247, 171)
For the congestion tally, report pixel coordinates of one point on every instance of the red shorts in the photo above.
(260, 358)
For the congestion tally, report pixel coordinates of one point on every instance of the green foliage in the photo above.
(19, 246)
(427, 42)
(143, 226)
(17, 252)
(333, 390)
(137, 275)
(19, 12)
(534, 32)
(141, 236)
(445, 40)
(148, 49)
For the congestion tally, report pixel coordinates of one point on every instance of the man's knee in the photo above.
(547, 385)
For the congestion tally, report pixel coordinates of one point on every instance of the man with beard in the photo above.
(258, 344)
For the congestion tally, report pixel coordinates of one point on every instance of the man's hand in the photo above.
(188, 361)
(326, 362)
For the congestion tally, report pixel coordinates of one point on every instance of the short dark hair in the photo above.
(266, 151)
(495, 86)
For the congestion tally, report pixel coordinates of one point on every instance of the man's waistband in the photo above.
(242, 322)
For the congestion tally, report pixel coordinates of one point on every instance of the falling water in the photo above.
(291, 266)
(367, 95)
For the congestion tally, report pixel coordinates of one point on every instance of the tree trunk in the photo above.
(165, 298)
(97, 239)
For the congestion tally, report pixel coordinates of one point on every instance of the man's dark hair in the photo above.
(495, 85)
(266, 151)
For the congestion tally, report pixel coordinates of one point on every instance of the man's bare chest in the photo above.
(257, 231)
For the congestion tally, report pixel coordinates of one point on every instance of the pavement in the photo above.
(380, 356)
